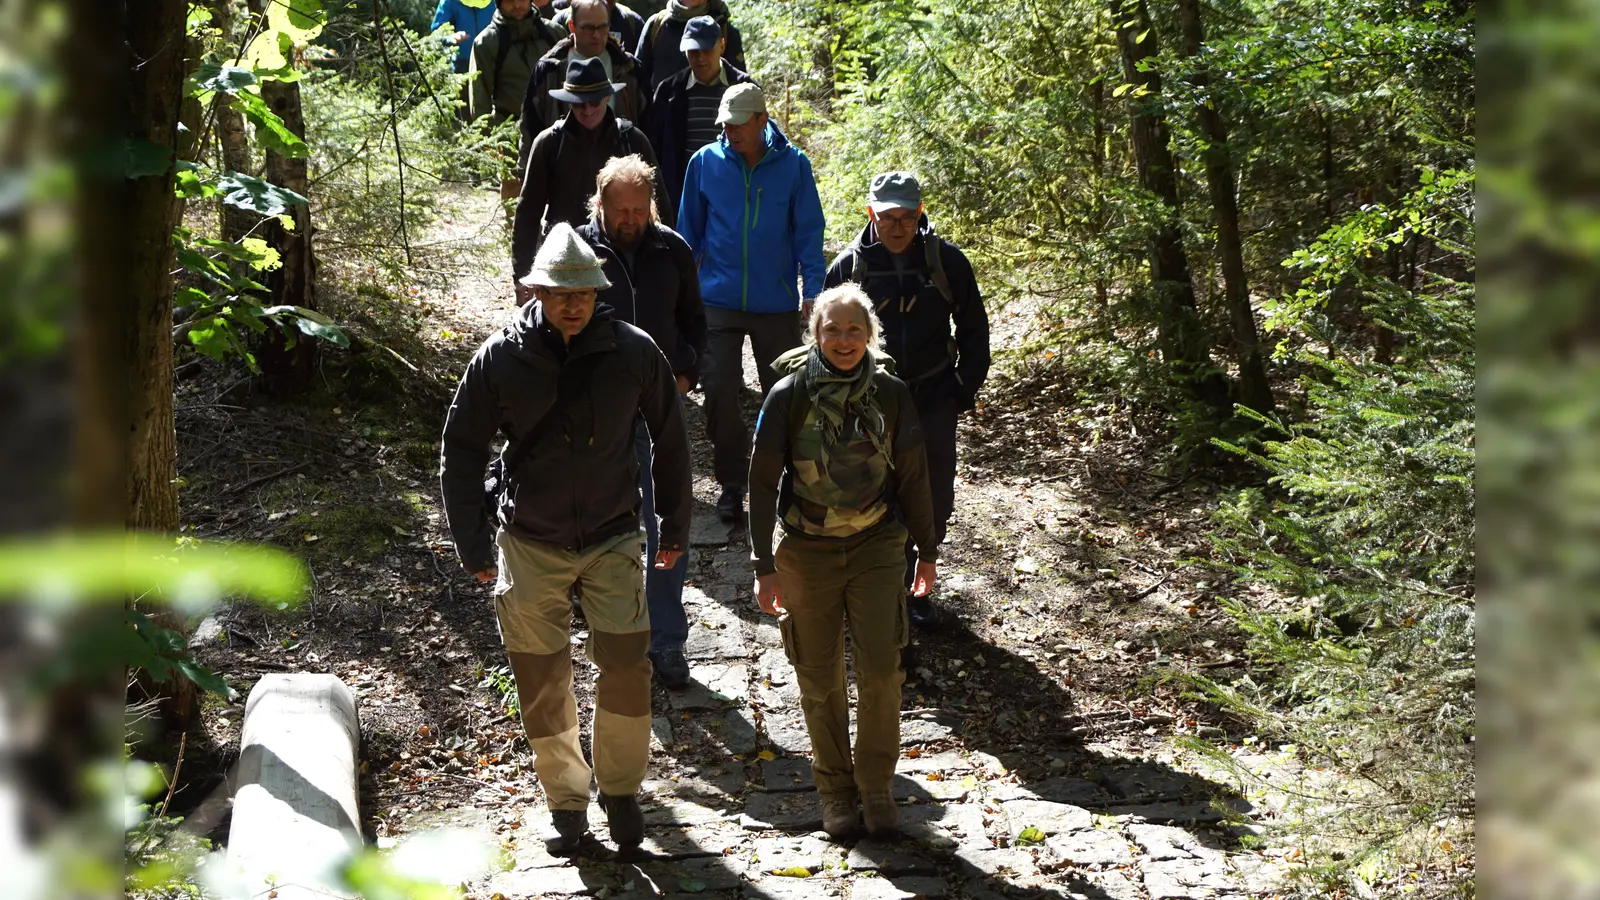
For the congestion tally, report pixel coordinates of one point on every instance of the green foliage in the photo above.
(1367, 535)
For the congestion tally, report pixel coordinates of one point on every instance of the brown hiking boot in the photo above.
(880, 812)
(839, 818)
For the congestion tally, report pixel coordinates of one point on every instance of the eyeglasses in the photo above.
(565, 296)
(899, 221)
(592, 104)
(596, 28)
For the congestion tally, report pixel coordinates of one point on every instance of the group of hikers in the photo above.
(638, 277)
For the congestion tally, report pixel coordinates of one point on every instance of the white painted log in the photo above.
(295, 816)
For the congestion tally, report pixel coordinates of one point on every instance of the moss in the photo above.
(353, 531)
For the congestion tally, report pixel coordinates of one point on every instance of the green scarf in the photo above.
(680, 13)
(834, 394)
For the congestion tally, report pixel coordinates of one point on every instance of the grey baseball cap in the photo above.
(894, 190)
(739, 103)
(565, 260)
(700, 33)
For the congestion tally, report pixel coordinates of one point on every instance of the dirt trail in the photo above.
(1034, 761)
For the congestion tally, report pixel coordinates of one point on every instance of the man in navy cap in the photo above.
(920, 284)
(566, 157)
(683, 111)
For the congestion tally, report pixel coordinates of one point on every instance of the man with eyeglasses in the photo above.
(920, 284)
(625, 23)
(570, 380)
(589, 38)
(566, 157)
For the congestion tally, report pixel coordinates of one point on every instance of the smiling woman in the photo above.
(837, 451)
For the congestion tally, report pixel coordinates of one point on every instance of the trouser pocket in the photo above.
(786, 629)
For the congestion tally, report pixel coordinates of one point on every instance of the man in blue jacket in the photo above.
(751, 213)
(465, 23)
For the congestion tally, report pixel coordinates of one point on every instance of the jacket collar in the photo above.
(599, 336)
(596, 235)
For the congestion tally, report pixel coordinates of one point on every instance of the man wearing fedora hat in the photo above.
(683, 109)
(921, 284)
(565, 382)
(565, 159)
(751, 213)
(588, 39)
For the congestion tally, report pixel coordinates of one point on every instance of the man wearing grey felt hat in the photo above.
(921, 285)
(565, 383)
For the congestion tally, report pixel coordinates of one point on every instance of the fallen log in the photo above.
(295, 818)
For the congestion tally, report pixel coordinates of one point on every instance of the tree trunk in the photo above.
(155, 98)
(1254, 392)
(1182, 339)
(288, 361)
(231, 136)
(1102, 286)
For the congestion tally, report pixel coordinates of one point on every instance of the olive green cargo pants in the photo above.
(532, 602)
(826, 585)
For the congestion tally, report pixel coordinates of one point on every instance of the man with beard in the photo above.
(565, 159)
(503, 57)
(655, 286)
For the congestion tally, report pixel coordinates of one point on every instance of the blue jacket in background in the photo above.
(462, 17)
(753, 231)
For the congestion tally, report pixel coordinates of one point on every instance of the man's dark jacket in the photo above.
(579, 484)
(540, 110)
(560, 179)
(916, 317)
(669, 120)
(661, 57)
(660, 292)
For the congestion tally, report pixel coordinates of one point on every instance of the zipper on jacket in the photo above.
(749, 172)
(744, 299)
(755, 223)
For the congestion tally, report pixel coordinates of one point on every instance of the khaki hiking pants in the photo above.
(532, 603)
(827, 585)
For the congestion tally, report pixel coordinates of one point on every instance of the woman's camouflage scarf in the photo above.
(834, 394)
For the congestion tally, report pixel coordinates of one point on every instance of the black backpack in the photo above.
(503, 50)
(932, 270)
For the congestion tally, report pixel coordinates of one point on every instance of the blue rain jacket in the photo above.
(756, 232)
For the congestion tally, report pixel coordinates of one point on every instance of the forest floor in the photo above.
(1039, 734)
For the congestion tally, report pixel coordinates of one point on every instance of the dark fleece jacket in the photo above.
(540, 110)
(659, 292)
(562, 170)
(579, 484)
(917, 318)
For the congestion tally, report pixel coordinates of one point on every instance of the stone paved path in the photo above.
(731, 812)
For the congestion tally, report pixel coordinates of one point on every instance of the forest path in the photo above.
(1034, 761)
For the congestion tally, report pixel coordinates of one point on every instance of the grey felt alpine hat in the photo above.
(893, 190)
(586, 81)
(701, 33)
(565, 260)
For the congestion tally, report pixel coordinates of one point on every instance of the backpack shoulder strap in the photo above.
(502, 49)
(656, 21)
(799, 400)
(933, 246)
